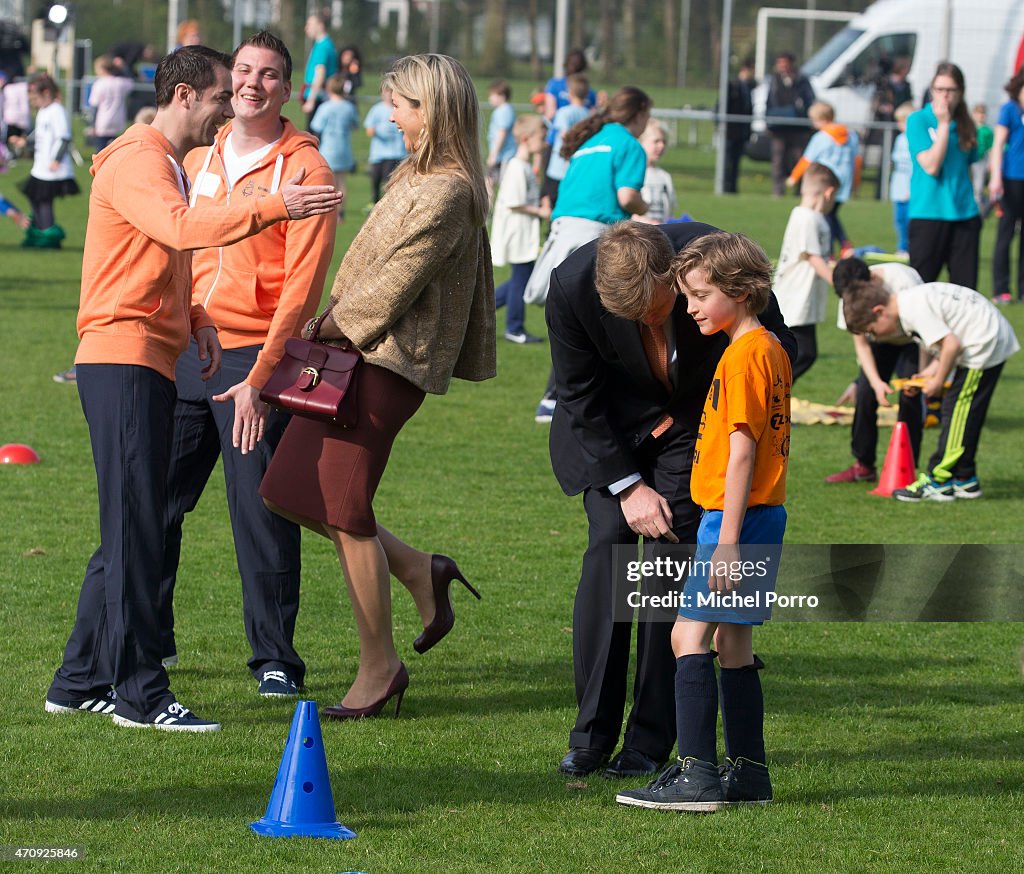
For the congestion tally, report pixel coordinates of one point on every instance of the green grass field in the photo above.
(894, 747)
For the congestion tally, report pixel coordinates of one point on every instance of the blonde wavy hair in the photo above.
(733, 263)
(443, 91)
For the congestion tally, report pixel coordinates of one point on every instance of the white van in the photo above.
(985, 38)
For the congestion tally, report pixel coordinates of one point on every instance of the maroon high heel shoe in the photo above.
(399, 683)
(443, 571)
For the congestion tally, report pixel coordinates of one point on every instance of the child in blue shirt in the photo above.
(899, 180)
(501, 145)
(565, 117)
(838, 148)
(1006, 186)
(387, 147)
(334, 122)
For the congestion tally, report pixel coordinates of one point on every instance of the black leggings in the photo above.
(1010, 225)
(42, 213)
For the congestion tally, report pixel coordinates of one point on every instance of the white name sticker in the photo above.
(209, 185)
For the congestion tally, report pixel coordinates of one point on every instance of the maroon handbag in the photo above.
(316, 381)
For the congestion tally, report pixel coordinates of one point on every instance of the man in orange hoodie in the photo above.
(255, 312)
(134, 321)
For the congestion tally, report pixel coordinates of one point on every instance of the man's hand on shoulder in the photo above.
(647, 513)
(209, 349)
(250, 415)
(304, 201)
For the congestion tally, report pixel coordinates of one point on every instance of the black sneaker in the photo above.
(745, 782)
(100, 704)
(690, 785)
(277, 684)
(174, 717)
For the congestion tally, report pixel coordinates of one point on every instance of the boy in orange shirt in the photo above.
(739, 479)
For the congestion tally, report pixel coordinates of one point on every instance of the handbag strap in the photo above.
(315, 335)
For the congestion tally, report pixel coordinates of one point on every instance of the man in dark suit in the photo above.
(790, 95)
(737, 133)
(623, 435)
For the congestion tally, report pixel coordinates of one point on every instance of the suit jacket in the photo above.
(608, 399)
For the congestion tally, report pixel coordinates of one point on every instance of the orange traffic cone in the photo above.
(898, 471)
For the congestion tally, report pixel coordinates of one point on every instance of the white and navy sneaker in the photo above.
(925, 489)
(522, 338)
(174, 717)
(277, 684)
(545, 411)
(101, 704)
(967, 489)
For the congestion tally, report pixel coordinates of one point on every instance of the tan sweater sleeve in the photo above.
(373, 289)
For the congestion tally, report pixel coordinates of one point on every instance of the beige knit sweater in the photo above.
(415, 291)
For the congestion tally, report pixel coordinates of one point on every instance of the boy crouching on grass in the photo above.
(739, 478)
(969, 338)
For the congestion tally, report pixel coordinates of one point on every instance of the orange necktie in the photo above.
(655, 345)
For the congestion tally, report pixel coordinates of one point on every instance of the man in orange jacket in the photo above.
(259, 292)
(134, 321)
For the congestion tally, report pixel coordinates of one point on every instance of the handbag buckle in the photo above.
(312, 378)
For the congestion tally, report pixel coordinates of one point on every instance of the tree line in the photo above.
(628, 40)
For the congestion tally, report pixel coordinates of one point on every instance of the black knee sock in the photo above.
(743, 712)
(697, 707)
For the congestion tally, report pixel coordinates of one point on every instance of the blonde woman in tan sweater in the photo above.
(415, 295)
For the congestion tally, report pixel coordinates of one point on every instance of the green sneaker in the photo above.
(925, 489)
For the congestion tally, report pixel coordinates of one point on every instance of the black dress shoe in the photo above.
(630, 762)
(581, 761)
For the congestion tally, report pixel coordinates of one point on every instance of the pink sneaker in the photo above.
(855, 473)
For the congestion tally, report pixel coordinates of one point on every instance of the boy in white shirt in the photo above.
(659, 193)
(969, 338)
(515, 234)
(803, 277)
(879, 362)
